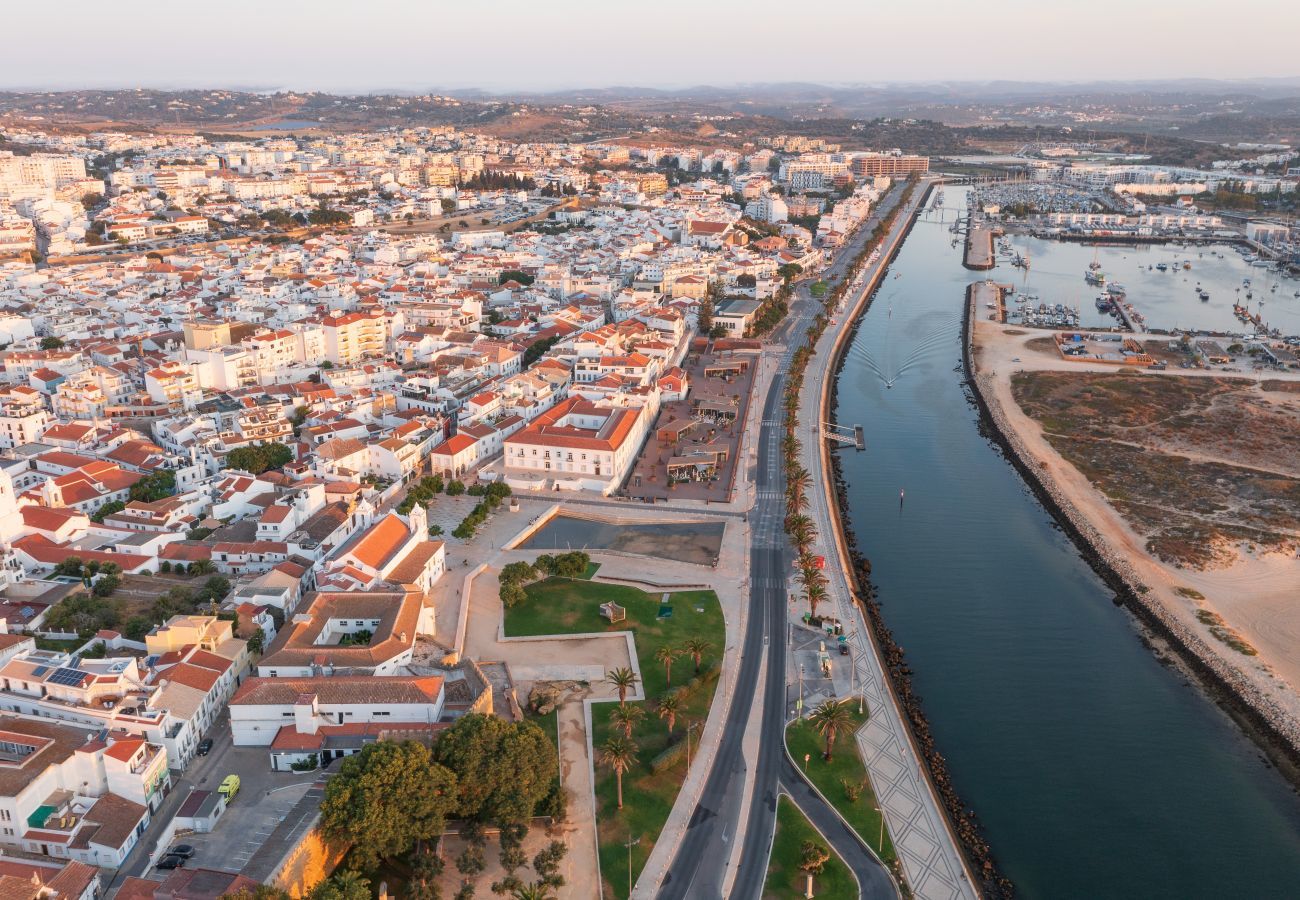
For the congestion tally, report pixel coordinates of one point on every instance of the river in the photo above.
(1095, 770)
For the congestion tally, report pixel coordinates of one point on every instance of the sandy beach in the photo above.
(1256, 595)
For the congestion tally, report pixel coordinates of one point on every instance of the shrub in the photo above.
(455, 488)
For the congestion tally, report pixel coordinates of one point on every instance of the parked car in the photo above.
(205, 747)
(171, 861)
(844, 649)
(184, 850)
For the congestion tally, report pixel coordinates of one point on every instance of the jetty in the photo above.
(990, 295)
(979, 247)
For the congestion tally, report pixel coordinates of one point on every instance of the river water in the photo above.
(1095, 770)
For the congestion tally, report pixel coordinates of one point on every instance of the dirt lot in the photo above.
(1200, 467)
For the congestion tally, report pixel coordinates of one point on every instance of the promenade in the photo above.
(931, 860)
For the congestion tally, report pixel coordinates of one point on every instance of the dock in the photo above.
(979, 247)
(990, 295)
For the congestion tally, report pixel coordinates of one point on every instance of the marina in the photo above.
(1210, 288)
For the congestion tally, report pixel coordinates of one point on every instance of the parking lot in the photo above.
(264, 799)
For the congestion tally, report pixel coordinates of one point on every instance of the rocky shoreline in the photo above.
(1262, 718)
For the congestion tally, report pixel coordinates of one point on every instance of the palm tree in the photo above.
(800, 478)
(796, 500)
(831, 719)
(623, 680)
(666, 655)
(626, 717)
(800, 529)
(816, 594)
(534, 890)
(618, 754)
(696, 648)
(669, 706)
(202, 567)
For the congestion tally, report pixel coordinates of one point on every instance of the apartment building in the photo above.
(355, 336)
(894, 165)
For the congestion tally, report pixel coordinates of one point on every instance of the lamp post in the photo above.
(880, 846)
(629, 845)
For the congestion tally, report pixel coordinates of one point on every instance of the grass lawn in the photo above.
(592, 569)
(845, 764)
(784, 877)
(567, 606)
(818, 289)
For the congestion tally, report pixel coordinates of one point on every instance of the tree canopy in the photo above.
(504, 769)
(257, 459)
(386, 798)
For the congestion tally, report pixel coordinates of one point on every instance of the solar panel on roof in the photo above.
(40, 670)
(69, 677)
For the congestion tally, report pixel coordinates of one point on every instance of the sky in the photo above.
(357, 46)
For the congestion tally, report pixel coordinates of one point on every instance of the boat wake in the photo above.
(890, 368)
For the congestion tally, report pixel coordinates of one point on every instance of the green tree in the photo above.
(154, 486)
(107, 510)
(704, 318)
(547, 861)
(51, 343)
(261, 892)
(201, 567)
(346, 885)
(670, 705)
(385, 799)
(534, 890)
(504, 769)
(619, 755)
(695, 648)
(831, 719)
(256, 640)
(257, 459)
(666, 655)
(512, 594)
(515, 275)
(622, 680)
(626, 718)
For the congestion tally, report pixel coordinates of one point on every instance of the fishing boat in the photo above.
(1204, 296)
(1163, 267)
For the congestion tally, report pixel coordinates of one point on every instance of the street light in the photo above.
(629, 845)
(880, 848)
(806, 757)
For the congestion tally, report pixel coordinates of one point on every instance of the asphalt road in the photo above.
(696, 871)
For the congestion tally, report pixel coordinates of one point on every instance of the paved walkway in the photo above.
(931, 861)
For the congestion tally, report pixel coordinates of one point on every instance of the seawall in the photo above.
(1276, 732)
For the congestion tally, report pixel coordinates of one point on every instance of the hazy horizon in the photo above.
(513, 46)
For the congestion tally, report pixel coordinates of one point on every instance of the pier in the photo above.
(855, 436)
(979, 247)
(988, 294)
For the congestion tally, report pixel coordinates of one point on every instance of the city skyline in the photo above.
(391, 46)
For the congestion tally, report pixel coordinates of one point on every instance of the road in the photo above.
(696, 871)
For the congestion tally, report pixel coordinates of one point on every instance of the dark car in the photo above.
(844, 649)
(205, 747)
(184, 850)
(171, 861)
